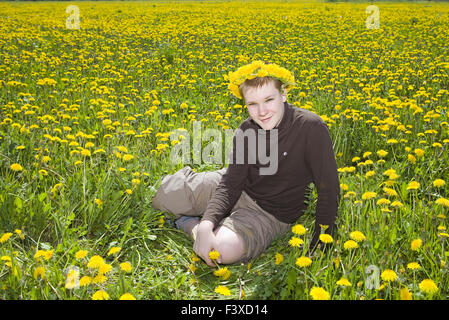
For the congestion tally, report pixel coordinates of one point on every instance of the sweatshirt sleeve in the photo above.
(228, 190)
(321, 161)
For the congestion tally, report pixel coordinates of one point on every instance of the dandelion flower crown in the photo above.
(259, 69)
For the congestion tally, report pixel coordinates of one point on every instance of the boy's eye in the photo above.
(250, 105)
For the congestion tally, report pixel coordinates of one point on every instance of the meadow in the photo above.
(85, 121)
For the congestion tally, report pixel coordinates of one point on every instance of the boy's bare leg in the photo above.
(229, 244)
(226, 242)
(190, 228)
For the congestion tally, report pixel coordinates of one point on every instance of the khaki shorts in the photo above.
(187, 193)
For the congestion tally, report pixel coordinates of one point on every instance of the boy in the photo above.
(242, 210)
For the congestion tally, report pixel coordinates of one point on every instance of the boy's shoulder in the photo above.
(302, 116)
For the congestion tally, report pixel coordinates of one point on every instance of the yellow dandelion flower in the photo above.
(224, 273)
(350, 244)
(303, 262)
(349, 194)
(369, 174)
(326, 238)
(127, 296)
(366, 154)
(223, 290)
(100, 295)
(337, 261)
(298, 229)
(318, 293)
(442, 202)
(413, 185)
(85, 281)
(368, 195)
(85, 152)
(438, 183)
(104, 268)
(413, 266)
(126, 266)
(99, 278)
(390, 192)
(428, 286)
(344, 282)
(357, 236)
(381, 286)
(383, 201)
(45, 159)
(127, 157)
(278, 258)
(95, 262)
(397, 203)
(419, 152)
(192, 267)
(38, 254)
(16, 167)
(416, 244)
(389, 275)
(5, 237)
(48, 254)
(405, 294)
(382, 153)
(389, 172)
(39, 272)
(214, 255)
(114, 250)
(122, 149)
(295, 242)
(80, 254)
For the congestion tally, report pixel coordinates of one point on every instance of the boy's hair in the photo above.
(259, 82)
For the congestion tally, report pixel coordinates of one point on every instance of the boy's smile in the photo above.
(265, 105)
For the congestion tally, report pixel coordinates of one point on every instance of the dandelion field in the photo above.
(85, 121)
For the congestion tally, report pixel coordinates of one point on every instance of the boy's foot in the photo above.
(184, 222)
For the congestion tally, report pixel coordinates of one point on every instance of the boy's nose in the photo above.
(263, 110)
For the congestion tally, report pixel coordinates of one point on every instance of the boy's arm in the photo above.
(321, 161)
(228, 190)
(220, 205)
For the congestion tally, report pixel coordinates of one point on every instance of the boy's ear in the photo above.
(284, 93)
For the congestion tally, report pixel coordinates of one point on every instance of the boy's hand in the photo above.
(204, 241)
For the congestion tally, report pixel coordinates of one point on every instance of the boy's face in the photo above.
(265, 105)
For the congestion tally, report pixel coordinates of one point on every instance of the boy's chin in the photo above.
(266, 126)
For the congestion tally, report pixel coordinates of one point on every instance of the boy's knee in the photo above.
(229, 245)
